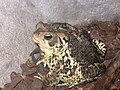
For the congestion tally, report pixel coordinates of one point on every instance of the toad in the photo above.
(71, 55)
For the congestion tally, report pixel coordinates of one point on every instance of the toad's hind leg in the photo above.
(100, 45)
(68, 84)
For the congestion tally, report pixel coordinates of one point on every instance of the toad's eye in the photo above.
(48, 36)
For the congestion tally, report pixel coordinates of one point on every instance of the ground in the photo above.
(109, 81)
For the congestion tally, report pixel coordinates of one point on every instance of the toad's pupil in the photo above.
(48, 37)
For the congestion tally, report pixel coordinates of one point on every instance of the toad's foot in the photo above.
(40, 76)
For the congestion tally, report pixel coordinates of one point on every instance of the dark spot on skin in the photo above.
(62, 61)
(71, 55)
(66, 76)
(99, 41)
(66, 54)
(56, 47)
(53, 65)
(66, 65)
(66, 69)
(53, 55)
(66, 72)
(50, 60)
(61, 81)
(62, 78)
(65, 50)
(61, 46)
(63, 57)
(71, 73)
(60, 40)
(57, 73)
(74, 67)
(65, 39)
(102, 44)
(68, 61)
(64, 26)
(60, 70)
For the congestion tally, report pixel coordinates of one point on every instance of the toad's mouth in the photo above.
(34, 39)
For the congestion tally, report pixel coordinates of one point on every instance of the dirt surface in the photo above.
(109, 32)
(19, 17)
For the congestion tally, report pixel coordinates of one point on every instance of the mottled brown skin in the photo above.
(71, 55)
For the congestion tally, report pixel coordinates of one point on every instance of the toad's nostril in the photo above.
(38, 33)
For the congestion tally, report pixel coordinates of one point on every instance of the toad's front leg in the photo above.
(49, 80)
(52, 78)
(41, 61)
(40, 77)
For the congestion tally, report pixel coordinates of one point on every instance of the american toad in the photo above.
(71, 55)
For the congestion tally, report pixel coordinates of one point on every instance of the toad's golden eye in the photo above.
(48, 36)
